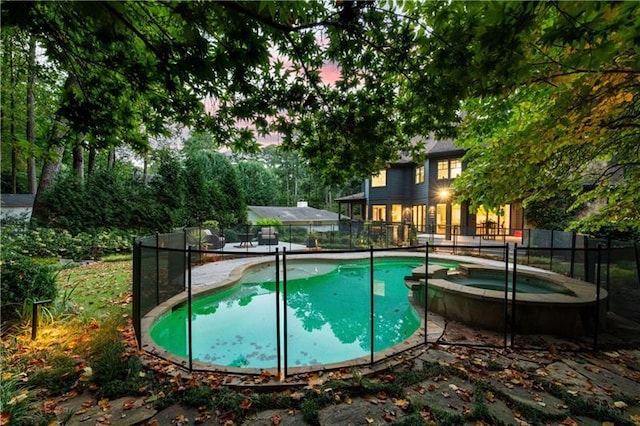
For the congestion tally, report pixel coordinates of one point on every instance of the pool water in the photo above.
(328, 315)
(524, 284)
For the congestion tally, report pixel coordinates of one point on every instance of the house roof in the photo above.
(16, 200)
(433, 148)
(437, 148)
(352, 197)
(294, 214)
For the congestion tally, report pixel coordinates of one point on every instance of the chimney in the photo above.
(303, 204)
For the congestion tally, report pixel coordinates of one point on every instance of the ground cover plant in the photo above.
(86, 349)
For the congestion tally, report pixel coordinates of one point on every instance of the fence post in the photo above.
(285, 325)
(506, 291)
(371, 300)
(426, 289)
(637, 253)
(136, 290)
(513, 292)
(608, 269)
(278, 351)
(189, 312)
(573, 253)
(551, 253)
(597, 325)
(587, 267)
(158, 268)
(529, 247)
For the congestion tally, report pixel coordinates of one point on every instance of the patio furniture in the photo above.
(246, 239)
(212, 241)
(268, 236)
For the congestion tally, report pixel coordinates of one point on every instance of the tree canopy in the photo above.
(543, 95)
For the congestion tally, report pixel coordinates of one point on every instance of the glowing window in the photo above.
(380, 179)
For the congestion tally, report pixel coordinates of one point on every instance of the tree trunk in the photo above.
(31, 121)
(144, 169)
(52, 158)
(111, 162)
(78, 158)
(92, 161)
(50, 172)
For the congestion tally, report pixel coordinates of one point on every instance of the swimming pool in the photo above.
(328, 315)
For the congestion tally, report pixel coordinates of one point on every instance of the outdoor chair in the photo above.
(212, 241)
(268, 236)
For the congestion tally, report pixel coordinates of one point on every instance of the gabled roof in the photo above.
(437, 148)
(353, 197)
(294, 214)
(16, 200)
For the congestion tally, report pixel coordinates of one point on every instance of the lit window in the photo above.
(396, 213)
(419, 174)
(455, 169)
(449, 169)
(443, 169)
(380, 179)
(379, 213)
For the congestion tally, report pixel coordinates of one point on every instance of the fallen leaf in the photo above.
(245, 404)
(402, 403)
(128, 404)
(369, 420)
(489, 396)
(103, 404)
(620, 404)
(569, 422)
(297, 396)
(347, 400)
(276, 419)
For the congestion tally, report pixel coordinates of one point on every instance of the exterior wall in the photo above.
(402, 189)
(399, 189)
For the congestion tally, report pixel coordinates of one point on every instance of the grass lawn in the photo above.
(98, 289)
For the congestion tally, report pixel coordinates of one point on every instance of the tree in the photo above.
(405, 70)
(259, 184)
(552, 97)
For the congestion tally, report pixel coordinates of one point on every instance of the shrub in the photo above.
(48, 242)
(24, 280)
(269, 221)
(114, 370)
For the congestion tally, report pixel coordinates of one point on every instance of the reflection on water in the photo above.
(328, 315)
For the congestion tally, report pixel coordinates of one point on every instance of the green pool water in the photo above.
(328, 315)
(524, 284)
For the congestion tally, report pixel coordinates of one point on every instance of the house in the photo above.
(302, 215)
(419, 193)
(16, 207)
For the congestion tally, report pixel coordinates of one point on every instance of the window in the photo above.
(420, 174)
(441, 217)
(449, 169)
(443, 169)
(380, 179)
(419, 216)
(455, 168)
(500, 219)
(379, 213)
(396, 213)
